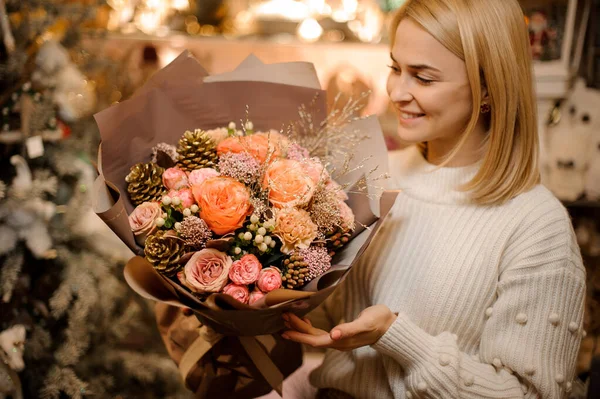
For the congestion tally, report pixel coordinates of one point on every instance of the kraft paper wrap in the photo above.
(182, 96)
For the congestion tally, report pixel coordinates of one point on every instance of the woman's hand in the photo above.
(370, 325)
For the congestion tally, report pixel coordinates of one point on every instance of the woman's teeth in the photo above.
(406, 115)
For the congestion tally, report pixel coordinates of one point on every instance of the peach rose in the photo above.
(255, 295)
(259, 145)
(224, 203)
(206, 271)
(239, 292)
(185, 195)
(288, 184)
(269, 279)
(245, 271)
(142, 220)
(217, 135)
(175, 179)
(294, 228)
(196, 177)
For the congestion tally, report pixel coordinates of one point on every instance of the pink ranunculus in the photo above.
(239, 292)
(245, 271)
(269, 279)
(185, 195)
(198, 176)
(255, 296)
(142, 220)
(206, 271)
(175, 179)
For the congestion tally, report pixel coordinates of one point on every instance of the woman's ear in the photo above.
(484, 91)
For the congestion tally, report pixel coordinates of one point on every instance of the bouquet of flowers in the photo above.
(240, 222)
(238, 212)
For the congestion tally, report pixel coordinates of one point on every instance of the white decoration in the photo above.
(73, 94)
(572, 164)
(37, 239)
(11, 342)
(8, 239)
(22, 182)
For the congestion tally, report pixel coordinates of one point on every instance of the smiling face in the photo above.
(429, 88)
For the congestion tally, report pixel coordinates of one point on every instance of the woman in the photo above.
(475, 286)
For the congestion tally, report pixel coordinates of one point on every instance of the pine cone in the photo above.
(336, 240)
(145, 183)
(294, 272)
(196, 150)
(164, 252)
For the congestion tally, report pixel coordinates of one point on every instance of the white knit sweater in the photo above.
(490, 298)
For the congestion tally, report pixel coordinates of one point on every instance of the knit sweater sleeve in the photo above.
(531, 338)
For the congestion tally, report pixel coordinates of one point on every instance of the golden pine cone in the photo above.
(164, 252)
(145, 183)
(294, 272)
(196, 150)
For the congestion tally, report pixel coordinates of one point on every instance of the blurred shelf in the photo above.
(583, 203)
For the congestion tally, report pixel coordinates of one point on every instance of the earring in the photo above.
(485, 108)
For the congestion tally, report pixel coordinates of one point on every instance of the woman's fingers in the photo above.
(318, 341)
(295, 323)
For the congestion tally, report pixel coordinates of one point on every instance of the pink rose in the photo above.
(196, 177)
(142, 220)
(175, 179)
(332, 185)
(347, 216)
(185, 195)
(239, 292)
(206, 271)
(269, 279)
(245, 271)
(255, 295)
(315, 170)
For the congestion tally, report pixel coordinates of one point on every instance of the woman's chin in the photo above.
(410, 136)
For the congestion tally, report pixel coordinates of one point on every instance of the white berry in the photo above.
(262, 231)
(160, 222)
(262, 247)
(177, 226)
(249, 125)
(176, 201)
(166, 200)
(268, 240)
(187, 212)
(237, 250)
(272, 244)
(247, 236)
(231, 126)
(258, 239)
(194, 208)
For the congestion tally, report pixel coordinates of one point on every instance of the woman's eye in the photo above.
(394, 68)
(424, 81)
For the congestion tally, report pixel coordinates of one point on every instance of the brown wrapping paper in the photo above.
(183, 97)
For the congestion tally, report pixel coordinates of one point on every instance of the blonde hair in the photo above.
(491, 37)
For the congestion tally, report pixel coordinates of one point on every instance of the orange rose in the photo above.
(259, 145)
(288, 184)
(224, 203)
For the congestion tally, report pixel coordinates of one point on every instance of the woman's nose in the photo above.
(399, 90)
